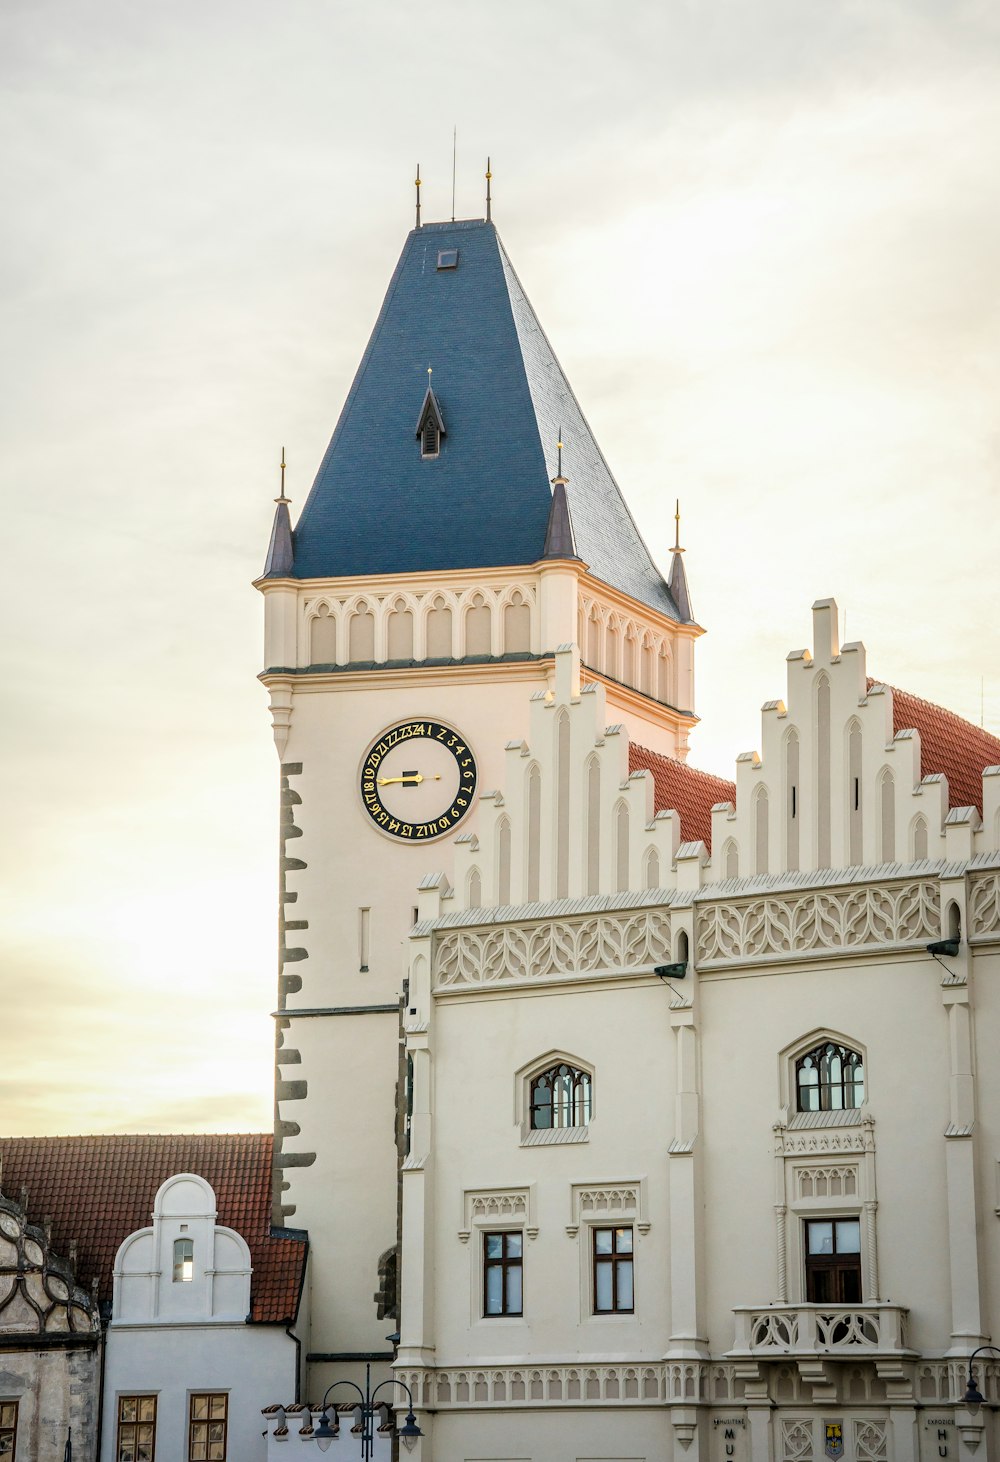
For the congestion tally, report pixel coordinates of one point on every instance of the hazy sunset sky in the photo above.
(763, 237)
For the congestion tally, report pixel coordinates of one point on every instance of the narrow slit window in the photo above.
(364, 939)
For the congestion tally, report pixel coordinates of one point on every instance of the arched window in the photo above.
(919, 840)
(183, 1260)
(621, 846)
(560, 1097)
(829, 1078)
(562, 810)
(823, 772)
(731, 859)
(652, 879)
(593, 867)
(439, 631)
(854, 824)
(475, 889)
(594, 640)
(792, 800)
(503, 862)
(612, 640)
(430, 438)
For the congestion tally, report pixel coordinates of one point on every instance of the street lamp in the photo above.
(328, 1432)
(972, 1398)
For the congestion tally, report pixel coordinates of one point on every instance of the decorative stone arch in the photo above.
(761, 830)
(535, 1068)
(664, 673)
(321, 625)
(593, 650)
(477, 625)
(730, 859)
(919, 838)
(886, 786)
(621, 823)
(651, 868)
(613, 646)
(515, 609)
(437, 621)
(647, 667)
(592, 825)
(801, 1046)
(532, 832)
(359, 615)
(474, 889)
(399, 627)
(630, 654)
(503, 871)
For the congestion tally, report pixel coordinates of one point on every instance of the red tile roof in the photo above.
(684, 790)
(948, 745)
(98, 1190)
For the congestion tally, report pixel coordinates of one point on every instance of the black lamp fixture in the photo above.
(973, 1398)
(949, 947)
(366, 1411)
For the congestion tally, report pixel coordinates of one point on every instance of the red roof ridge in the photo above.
(949, 744)
(680, 788)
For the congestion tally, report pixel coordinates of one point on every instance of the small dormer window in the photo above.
(447, 259)
(430, 426)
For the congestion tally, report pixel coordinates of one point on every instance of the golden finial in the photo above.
(282, 498)
(417, 185)
(430, 372)
(489, 200)
(677, 528)
(559, 451)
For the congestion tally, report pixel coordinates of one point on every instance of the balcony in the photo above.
(828, 1332)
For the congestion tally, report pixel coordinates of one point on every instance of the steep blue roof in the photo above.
(378, 507)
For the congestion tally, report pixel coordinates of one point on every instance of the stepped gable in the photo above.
(98, 1190)
(378, 506)
(948, 745)
(684, 790)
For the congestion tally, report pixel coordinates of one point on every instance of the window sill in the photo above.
(552, 1136)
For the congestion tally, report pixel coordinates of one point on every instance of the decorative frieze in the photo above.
(456, 1388)
(822, 921)
(506, 1206)
(609, 944)
(612, 1203)
(984, 906)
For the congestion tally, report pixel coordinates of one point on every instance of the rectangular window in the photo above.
(207, 1435)
(364, 938)
(502, 1274)
(136, 1429)
(833, 1261)
(8, 1430)
(613, 1291)
(183, 1261)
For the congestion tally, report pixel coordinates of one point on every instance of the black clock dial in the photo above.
(418, 780)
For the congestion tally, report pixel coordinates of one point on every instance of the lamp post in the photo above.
(326, 1433)
(972, 1398)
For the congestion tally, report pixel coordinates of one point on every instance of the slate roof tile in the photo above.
(98, 1190)
(684, 790)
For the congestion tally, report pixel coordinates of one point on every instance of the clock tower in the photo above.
(449, 545)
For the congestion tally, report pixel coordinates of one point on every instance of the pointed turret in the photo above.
(280, 561)
(678, 583)
(559, 531)
(381, 504)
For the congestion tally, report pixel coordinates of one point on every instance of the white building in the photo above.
(746, 1210)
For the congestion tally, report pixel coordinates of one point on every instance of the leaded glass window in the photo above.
(561, 1097)
(830, 1078)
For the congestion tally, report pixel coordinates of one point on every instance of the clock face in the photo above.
(418, 780)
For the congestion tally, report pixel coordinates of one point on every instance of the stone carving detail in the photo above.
(38, 1291)
(487, 1206)
(813, 1330)
(840, 1182)
(870, 1441)
(984, 905)
(818, 922)
(828, 1141)
(558, 947)
(777, 1330)
(613, 1202)
(796, 1440)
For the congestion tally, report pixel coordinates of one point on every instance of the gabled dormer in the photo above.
(430, 426)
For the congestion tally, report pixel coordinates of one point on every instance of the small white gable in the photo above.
(185, 1268)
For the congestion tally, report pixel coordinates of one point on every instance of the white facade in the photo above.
(179, 1327)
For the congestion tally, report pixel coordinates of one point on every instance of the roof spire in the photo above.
(489, 200)
(559, 541)
(280, 550)
(677, 582)
(416, 183)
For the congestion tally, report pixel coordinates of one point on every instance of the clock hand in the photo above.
(411, 779)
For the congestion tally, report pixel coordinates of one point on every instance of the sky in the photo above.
(762, 238)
